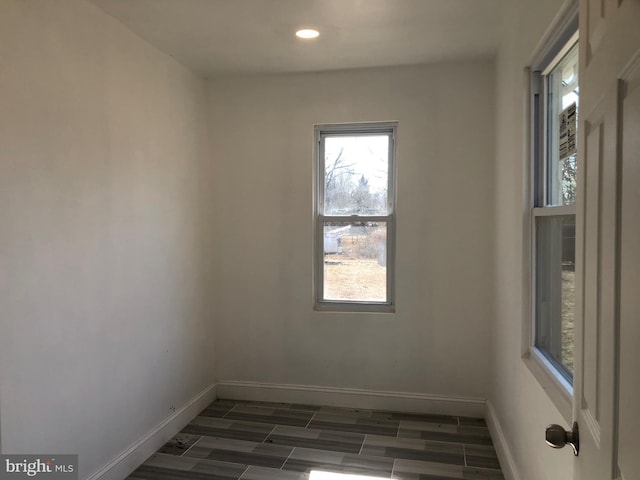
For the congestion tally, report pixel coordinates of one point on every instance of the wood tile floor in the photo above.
(238, 440)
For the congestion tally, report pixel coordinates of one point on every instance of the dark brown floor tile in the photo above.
(240, 452)
(265, 473)
(179, 444)
(317, 439)
(486, 462)
(478, 422)
(220, 427)
(311, 408)
(354, 424)
(261, 403)
(278, 416)
(414, 449)
(217, 409)
(305, 460)
(417, 417)
(456, 437)
(474, 473)
(168, 467)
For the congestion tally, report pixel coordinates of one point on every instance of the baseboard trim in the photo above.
(127, 461)
(352, 398)
(507, 462)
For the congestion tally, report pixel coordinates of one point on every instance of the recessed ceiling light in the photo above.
(307, 33)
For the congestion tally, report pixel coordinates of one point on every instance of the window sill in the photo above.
(354, 307)
(557, 388)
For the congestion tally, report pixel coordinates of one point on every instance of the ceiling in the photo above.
(222, 37)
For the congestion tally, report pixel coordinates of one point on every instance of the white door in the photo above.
(607, 378)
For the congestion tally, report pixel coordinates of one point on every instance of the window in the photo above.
(355, 217)
(555, 110)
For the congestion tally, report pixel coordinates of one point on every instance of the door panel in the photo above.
(595, 25)
(596, 358)
(629, 417)
(607, 379)
(594, 129)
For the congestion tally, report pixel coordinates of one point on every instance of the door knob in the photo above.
(558, 437)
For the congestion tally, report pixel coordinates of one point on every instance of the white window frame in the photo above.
(560, 39)
(351, 129)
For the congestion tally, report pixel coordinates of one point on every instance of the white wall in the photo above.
(439, 340)
(105, 317)
(523, 408)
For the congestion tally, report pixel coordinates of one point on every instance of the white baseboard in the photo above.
(125, 463)
(508, 464)
(352, 398)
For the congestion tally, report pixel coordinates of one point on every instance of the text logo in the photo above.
(45, 467)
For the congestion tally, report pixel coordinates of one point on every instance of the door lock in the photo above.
(558, 437)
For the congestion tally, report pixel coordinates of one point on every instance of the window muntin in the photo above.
(555, 110)
(355, 217)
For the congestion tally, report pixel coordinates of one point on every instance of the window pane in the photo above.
(555, 289)
(355, 262)
(563, 102)
(356, 175)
